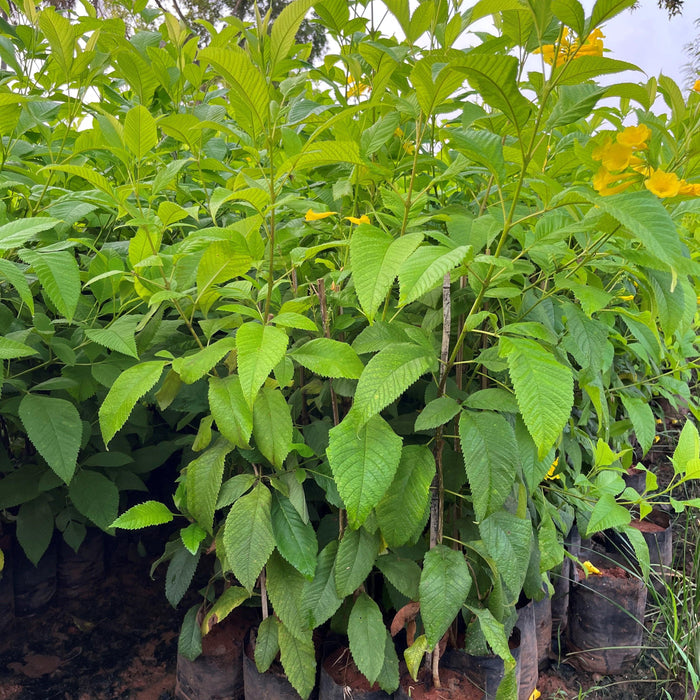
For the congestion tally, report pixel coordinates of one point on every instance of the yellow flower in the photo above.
(590, 569)
(659, 421)
(638, 165)
(548, 54)
(604, 182)
(398, 132)
(689, 188)
(635, 136)
(656, 439)
(572, 48)
(364, 219)
(535, 695)
(663, 184)
(627, 297)
(356, 87)
(550, 476)
(616, 156)
(696, 86)
(318, 215)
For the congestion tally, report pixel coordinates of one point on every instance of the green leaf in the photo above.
(436, 413)
(574, 103)
(118, 336)
(143, 515)
(587, 340)
(203, 482)
(192, 537)
(291, 319)
(607, 513)
(193, 367)
(221, 262)
(375, 258)
(59, 277)
(320, 597)
(233, 488)
(588, 67)
(643, 420)
(605, 10)
(12, 349)
(94, 178)
(507, 540)
(230, 410)
(179, 575)
(357, 553)
(415, 654)
(570, 13)
(493, 399)
(490, 459)
(189, 643)
(61, 36)
(55, 429)
(95, 496)
(140, 132)
(388, 374)
(687, 448)
(543, 387)
(260, 348)
(272, 426)
(482, 147)
(367, 635)
(128, 388)
(403, 510)
(388, 678)
(228, 601)
(267, 643)
(424, 270)
(403, 574)
(283, 33)
(248, 539)
(363, 461)
(12, 273)
(298, 657)
(329, 358)
(35, 523)
(444, 585)
(495, 634)
(296, 540)
(285, 586)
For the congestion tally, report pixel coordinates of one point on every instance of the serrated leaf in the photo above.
(388, 678)
(284, 30)
(607, 513)
(291, 319)
(375, 258)
(260, 348)
(588, 67)
(12, 273)
(140, 132)
(189, 643)
(232, 489)
(285, 586)
(228, 601)
(55, 429)
(267, 643)
(179, 575)
(94, 178)
(403, 510)
(192, 536)
(507, 540)
(272, 426)
(424, 269)
(320, 597)
(221, 262)
(543, 387)
(95, 496)
(118, 336)
(367, 635)
(193, 367)
(444, 584)
(481, 146)
(687, 448)
(35, 526)
(436, 413)
(230, 410)
(388, 374)
(203, 482)
(363, 461)
(643, 420)
(298, 657)
(574, 103)
(12, 349)
(329, 358)
(143, 515)
(357, 553)
(128, 388)
(295, 539)
(59, 277)
(403, 574)
(490, 459)
(248, 539)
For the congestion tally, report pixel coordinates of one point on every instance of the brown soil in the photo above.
(342, 669)
(455, 686)
(646, 526)
(609, 571)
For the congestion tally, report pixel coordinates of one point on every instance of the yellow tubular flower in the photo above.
(550, 475)
(364, 219)
(635, 137)
(318, 215)
(535, 695)
(638, 165)
(616, 156)
(696, 86)
(689, 188)
(663, 184)
(590, 569)
(604, 182)
(599, 151)
(626, 297)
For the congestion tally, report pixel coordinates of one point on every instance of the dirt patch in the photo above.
(455, 686)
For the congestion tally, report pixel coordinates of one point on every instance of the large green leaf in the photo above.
(329, 358)
(272, 426)
(403, 510)
(607, 513)
(248, 539)
(203, 482)
(363, 460)
(179, 575)
(480, 146)
(507, 540)
(357, 552)
(642, 418)
(588, 67)
(15, 234)
(544, 389)
(128, 388)
(490, 459)
(143, 515)
(35, 527)
(375, 258)
(403, 574)
(55, 429)
(367, 634)
(284, 30)
(434, 80)
(95, 496)
(285, 586)
(321, 599)
(298, 657)
(260, 348)
(605, 10)
(15, 276)
(574, 103)
(140, 132)
(230, 410)
(225, 604)
(444, 585)
(424, 270)
(119, 335)
(61, 36)
(221, 262)
(189, 643)
(12, 349)
(295, 539)
(59, 277)
(193, 367)
(267, 643)
(388, 374)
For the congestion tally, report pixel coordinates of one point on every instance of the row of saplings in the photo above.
(594, 616)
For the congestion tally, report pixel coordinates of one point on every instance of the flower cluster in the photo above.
(312, 215)
(569, 48)
(357, 87)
